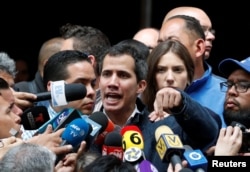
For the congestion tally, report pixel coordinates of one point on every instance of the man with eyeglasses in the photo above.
(237, 100)
(204, 20)
(232, 140)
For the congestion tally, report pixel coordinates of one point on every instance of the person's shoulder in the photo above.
(219, 78)
(22, 86)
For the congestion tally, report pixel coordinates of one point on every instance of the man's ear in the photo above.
(200, 47)
(141, 86)
(92, 59)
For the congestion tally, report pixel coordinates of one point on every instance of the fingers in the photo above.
(62, 149)
(70, 159)
(81, 149)
(153, 116)
(9, 140)
(167, 98)
(23, 100)
(49, 129)
(59, 132)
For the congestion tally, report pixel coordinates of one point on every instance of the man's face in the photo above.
(237, 104)
(8, 119)
(175, 29)
(82, 72)
(118, 84)
(204, 21)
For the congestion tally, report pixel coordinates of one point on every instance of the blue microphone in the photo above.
(196, 159)
(75, 132)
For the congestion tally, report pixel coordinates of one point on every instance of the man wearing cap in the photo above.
(236, 107)
(237, 99)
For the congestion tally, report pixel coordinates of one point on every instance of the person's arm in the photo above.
(51, 140)
(200, 123)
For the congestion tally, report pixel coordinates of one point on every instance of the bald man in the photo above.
(148, 36)
(204, 20)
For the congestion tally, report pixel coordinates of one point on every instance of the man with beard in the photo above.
(236, 105)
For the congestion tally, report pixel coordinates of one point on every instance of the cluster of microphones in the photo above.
(96, 128)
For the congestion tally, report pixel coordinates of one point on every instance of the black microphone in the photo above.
(98, 121)
(169, 146)
(34, 117)
(113, 145)
(73, 91)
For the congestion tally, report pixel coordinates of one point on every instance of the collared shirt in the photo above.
(117, 127)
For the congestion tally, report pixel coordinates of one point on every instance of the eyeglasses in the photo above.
(206, 30)
(240, 87)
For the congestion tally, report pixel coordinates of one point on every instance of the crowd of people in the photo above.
(159, 77)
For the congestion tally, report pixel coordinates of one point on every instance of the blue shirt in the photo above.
(206, 91)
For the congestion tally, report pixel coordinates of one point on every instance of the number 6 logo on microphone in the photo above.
(131, 137)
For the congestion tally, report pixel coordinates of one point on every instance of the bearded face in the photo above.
(241, 116)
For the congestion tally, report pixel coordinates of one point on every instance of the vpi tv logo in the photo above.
(58, 93)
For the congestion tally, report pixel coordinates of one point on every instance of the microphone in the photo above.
(132, 143)
(146, 166)
(113, 145)
(75, 132)
(68, 113)
(70, 92)
(169, 146)
(196, 159)
(98, 122)
(67, 116)
(108, 126)
(34, 117)
(132, 137)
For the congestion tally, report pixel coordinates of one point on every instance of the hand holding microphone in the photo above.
(51, 140)
(75, 132)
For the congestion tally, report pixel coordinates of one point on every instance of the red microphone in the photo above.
(113, 145)
(100, 138)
